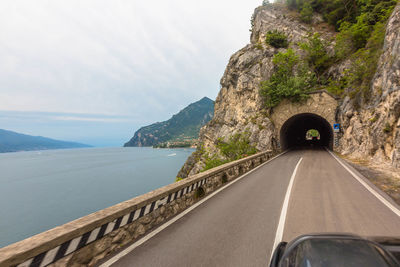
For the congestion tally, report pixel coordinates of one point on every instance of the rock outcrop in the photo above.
(238, 106)
(372, 131)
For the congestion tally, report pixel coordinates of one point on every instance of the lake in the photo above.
(43, 189)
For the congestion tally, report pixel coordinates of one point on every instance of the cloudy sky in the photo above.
(95, 71)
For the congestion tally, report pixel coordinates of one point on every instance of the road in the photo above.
(238, 226)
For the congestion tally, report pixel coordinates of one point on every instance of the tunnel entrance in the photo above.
(306, 130)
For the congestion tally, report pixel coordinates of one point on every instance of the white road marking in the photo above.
(282, 218)
(165, 225)
(376, 194)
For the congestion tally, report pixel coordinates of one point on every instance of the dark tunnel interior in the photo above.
(294, 130)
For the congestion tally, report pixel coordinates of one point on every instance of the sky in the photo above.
(95, 71)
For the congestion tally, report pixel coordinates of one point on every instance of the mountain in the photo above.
(13, 142)
(182, 126)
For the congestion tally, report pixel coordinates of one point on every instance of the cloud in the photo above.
(140, 59)
(116, 57)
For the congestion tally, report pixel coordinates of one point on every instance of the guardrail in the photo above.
(88, 239)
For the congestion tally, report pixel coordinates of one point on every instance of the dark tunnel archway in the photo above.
(293, 132)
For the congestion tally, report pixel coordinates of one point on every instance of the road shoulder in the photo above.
(383, 180)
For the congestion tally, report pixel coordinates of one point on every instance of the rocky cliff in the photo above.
(371, 130)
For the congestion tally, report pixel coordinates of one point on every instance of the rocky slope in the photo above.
(373, 131)
(239, 106)
(182, 126)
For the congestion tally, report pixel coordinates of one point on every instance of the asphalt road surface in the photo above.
(238, 226)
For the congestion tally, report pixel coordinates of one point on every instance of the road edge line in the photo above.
(145, 238)
(372, 191)
(285, 205)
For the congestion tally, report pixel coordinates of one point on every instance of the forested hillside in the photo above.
(184, 126)
(13, 142)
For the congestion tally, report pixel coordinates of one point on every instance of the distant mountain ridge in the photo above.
(12, 142)
(182, 126)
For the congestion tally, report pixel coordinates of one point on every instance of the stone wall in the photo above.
(87, 240)
(320, 103)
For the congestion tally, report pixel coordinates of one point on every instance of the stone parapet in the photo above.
(320, 103)
(85, 241)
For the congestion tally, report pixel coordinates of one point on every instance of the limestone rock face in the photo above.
(271, 18)
(238, 106)
(373, 131)
(279, 17)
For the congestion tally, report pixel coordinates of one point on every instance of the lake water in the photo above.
(43, 189)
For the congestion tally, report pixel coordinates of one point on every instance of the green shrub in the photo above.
(284, 62)
(336, 12)
(316, 53)
(313, 132)
(336, 87)
(212, 162)
(238, 146)
(365, 61)
(306, 13)
(355, 34)
(285, 83)
(361, 25)
(276, 39)
(293, 88)
(259, 46)
(344, 42)
(291, 3)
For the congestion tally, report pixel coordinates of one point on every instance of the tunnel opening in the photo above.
(313, 134)
(306, 130)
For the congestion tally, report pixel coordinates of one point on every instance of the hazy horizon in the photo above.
(94, 72)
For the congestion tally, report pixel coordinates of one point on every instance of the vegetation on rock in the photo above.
(306, 12)
(292, 79)
(311, 63)
(338, 12)
(316, 54)
(276, 39)
(236, 147)
(361, 30)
